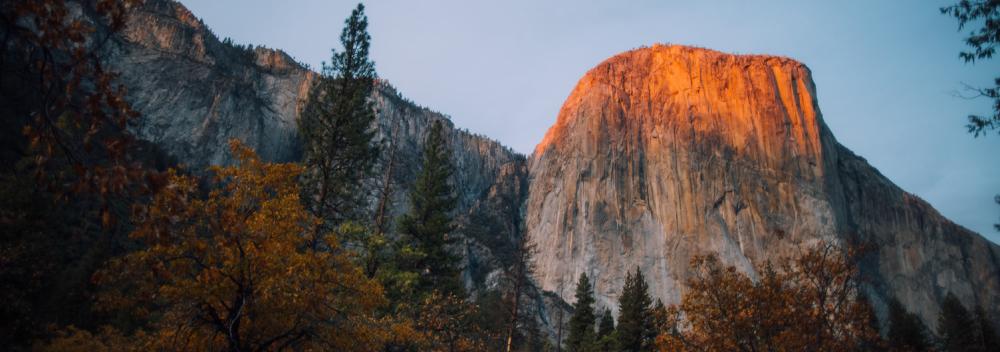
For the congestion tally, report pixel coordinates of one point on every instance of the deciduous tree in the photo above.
(983, 15)
(445, 324)
(232, 270)
(810, 302)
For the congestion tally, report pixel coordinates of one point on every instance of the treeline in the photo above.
(810, 302)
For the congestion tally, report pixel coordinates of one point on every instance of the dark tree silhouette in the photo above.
(336, 131)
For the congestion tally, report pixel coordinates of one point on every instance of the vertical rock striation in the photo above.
(663, 153)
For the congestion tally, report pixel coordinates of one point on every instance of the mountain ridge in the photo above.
(663, 153)
(196, 92)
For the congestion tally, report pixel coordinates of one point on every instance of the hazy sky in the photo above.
(886, 72)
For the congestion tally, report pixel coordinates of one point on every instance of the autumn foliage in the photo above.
(231, 270)
(809, 302)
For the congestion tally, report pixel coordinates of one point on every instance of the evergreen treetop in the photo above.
(429, 222)
(336, 127)
(581, 324)
(607, 324)
(987, 329)
(955, 326)
(635, 329)
(906, 331)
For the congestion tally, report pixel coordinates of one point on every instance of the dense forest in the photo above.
(108, 244)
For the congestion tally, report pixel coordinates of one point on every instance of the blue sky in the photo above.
(887, 72)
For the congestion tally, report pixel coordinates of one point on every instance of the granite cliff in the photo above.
(667, 152)
(658, 154)
(195, 92)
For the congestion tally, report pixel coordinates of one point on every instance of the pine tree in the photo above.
(906, 331)
(956, 328)
(429, 221)
(581, 324)
(607, 325)
(336, 131)
(987, 329)
(635, 324)
(606, 332)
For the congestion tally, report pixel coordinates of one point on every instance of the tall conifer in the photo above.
(606, 333)
(337, 133)
(635, 329)
(581, 324)
(906, 331)
(986, 328)
(607, 325)
(956, 327)
(429, 222)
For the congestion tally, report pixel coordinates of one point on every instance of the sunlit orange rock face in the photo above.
(663, 153)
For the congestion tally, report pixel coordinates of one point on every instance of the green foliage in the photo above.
(660, 317)
(491, 316)
(581, 324)
(606, 338)
(336, 127)
(607, 343)
(635, 330)
(906, 331)
(530, 337)
(429, 222)
(607, 324)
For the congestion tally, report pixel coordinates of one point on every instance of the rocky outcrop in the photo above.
(663, 153)
(196, 92)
